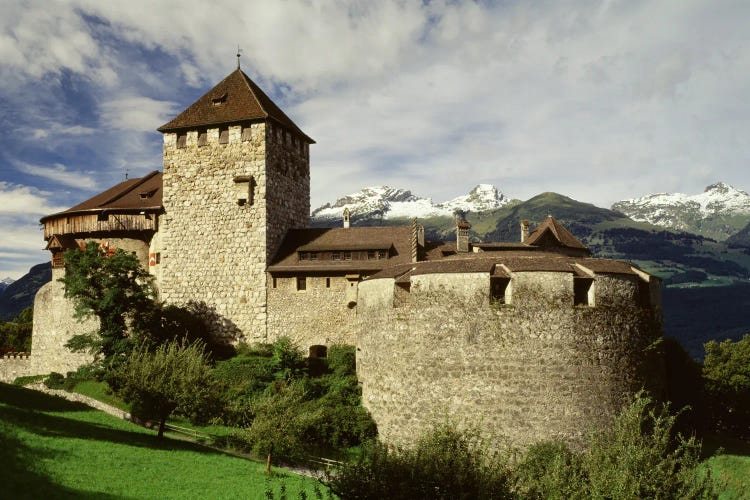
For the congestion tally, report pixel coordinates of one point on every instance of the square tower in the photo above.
(236, 179)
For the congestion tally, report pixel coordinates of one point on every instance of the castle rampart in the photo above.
(536, 368)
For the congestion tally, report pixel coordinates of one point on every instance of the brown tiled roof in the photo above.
(562, 235)
(239, 100)
(61, 241)
(397, 239)
(143, 193)
(520, 261)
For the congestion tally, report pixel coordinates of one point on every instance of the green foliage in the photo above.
(726, 371)
(638, 457)
(445, 464)
(30, 379)
(176, 376)
(549, 470)
(15, 335)
(115, 289)
(55, 381)
(272, 386)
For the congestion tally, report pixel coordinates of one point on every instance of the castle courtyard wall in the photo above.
(318, 315)
(538, 368)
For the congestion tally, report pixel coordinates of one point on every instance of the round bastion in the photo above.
(524, 348)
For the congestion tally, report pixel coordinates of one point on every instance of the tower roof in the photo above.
(564, 238)
(235, 99)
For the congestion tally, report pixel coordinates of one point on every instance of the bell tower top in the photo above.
(234, 100)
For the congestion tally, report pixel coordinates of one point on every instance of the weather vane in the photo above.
(239, 53)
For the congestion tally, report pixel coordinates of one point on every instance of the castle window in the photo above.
(57, 260)
(644, 293)
(224, 135)
(499, 290)
(328, 282)
(202, 137)
(583, 291)
(335, 255)
(318, 351)
(247, 134)
(102, 217)
(347, 255)
(244, 186)
(301, 283)
(273, 282)
(182, 140)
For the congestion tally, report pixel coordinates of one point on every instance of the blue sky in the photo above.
(600, 101)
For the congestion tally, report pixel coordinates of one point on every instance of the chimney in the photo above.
(414, 240)
(524, 230)
(347, 216)
(462, 235)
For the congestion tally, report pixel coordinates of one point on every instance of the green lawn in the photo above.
(731, 467)
(55, 448)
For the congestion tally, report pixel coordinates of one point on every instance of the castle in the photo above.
(529, 339)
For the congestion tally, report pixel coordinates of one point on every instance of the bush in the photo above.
(445, 464)
(549, 470)
(54, 381)
(342, 360)
(726, 371)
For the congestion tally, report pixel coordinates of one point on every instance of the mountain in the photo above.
(386, 203)
(4, 284)
(20, 294)
(718, 212)
(740, 239)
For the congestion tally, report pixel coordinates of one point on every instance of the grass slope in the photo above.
(50, 447)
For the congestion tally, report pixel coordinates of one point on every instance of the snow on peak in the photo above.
(388, 203)
(680, 210)
(483, 197)
(6, 281)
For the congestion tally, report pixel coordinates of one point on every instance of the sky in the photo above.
(597, 100)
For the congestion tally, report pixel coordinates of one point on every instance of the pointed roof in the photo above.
(551, 226)
(235, 99)
(142, 193)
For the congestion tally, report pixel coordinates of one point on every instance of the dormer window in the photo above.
(147, 194)
(219, 100)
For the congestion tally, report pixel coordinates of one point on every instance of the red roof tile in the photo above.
(233, 100)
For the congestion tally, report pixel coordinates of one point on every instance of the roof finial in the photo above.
(239, 54)
(126, 173)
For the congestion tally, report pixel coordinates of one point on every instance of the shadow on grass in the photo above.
(24, 408)
(20, 475)
(728, 444)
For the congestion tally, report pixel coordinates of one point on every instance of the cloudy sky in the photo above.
(597, 100)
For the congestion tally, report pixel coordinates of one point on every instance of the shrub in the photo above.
(549, 470)
(445, 464)
(726, 371)
(342, 360)
(54, 380)
(638, 457)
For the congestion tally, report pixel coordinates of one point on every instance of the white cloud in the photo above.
(16, 199)
(58, 129)
(140, 114)
(60, 175)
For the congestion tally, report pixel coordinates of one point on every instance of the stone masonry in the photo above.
(215, 251)
(538, 368)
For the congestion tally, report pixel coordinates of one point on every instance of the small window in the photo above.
(247, 134)
(347, 255)
(335, 255)
(219, 100)
(301, 283)
(498, 288)
(328, 282)
(583, 291)
(158, 257)
(304, 256)
(202, 138)
(182, 140)
(223, 136)
(372, 254)
(318, 351)
(273, 282)
(102, 217)
(57, 260)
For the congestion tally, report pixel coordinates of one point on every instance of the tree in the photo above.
(15, 335)
(726, 372)
(175, 376)
(113, 287)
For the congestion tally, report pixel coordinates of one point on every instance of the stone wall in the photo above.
(13, 366)
(215, 251)
(539, 368)
(318, 315)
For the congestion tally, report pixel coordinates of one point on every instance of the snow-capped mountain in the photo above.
(718, 212)
(384, 202)
(4, 283)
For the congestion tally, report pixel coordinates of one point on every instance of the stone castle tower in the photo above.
(236, 179)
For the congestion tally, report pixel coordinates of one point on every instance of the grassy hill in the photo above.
(52, 448)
